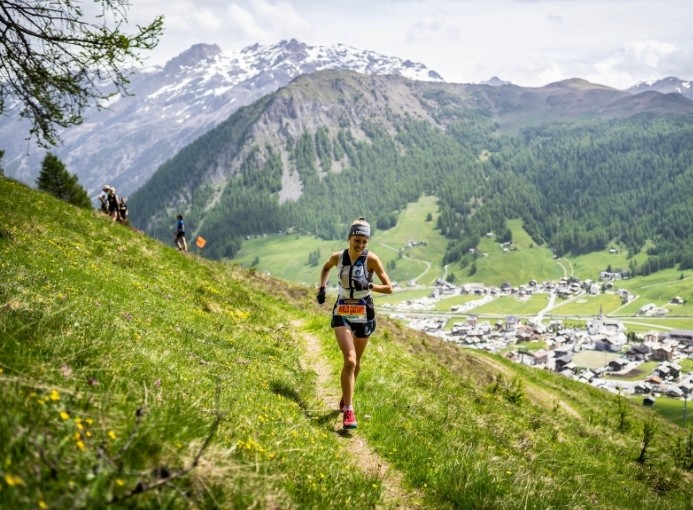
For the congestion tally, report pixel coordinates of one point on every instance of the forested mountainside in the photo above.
(582, 164)
(170, 106)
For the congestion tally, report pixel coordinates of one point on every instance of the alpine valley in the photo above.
(583, 166)
(303, 139)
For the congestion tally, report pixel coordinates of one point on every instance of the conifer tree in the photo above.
(56, 180)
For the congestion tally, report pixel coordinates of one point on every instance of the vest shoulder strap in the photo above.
(346, 260)
(361, 261)
(363, 258)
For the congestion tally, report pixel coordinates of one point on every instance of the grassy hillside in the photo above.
(517, 264)
(415, 247)
(523, 261)
(140, 377)
(286, 256)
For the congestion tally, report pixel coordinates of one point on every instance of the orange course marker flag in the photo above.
(200, 242)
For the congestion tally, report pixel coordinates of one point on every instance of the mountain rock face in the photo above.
(171, 106)
(495, 81)
(124, 144)
(269, 156)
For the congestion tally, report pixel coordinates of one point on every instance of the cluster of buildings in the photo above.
(622, 352)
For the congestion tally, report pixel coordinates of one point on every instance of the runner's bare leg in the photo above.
(352, 349)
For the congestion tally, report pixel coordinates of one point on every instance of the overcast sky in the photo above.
(528, 42)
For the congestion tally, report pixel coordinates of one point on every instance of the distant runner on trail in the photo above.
(179, 235)
(353, 315)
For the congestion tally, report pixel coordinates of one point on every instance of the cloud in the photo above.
(207, 20)
(647, 52)
(530, 42)
(555, 19)
(432, 27)
(177, 15)
(639, 59)
(264, 21)
(245, 23)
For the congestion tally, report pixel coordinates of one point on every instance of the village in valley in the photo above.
(597, 353)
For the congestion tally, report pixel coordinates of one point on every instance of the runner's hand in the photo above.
(361, 283)
(321, 295)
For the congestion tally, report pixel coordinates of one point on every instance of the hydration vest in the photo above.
(347, 272)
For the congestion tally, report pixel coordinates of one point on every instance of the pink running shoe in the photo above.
(342, 405)
(349, 419)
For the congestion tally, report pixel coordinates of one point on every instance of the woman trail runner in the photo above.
(353, 315)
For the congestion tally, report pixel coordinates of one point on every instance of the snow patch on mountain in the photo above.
(667, 85)
(125, 143)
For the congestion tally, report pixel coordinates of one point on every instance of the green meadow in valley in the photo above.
(413, 252)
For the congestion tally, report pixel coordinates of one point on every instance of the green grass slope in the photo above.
(516, 265)
(134, 376)
(287, 256)
(414, 249)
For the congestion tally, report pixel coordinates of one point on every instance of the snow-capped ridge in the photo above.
(192, 56)
(170, 106)
(670, 84)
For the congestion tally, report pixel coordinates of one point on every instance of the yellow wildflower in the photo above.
(55, 395)
(111, 434)
(42, 504)
(12, 480)
(80, 444)
(120, 481)
(64, 415)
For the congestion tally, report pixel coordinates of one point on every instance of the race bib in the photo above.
(353, 310)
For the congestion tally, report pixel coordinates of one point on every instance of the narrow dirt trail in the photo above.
(327, 390)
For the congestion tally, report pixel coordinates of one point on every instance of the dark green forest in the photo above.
(577, 186)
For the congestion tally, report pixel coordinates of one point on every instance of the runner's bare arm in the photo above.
(375, 265)
(329, 264)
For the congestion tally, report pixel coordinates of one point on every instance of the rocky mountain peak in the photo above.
(293, 46)
(192, 56)
(495, 81)
(668, 85)
(170, 107)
